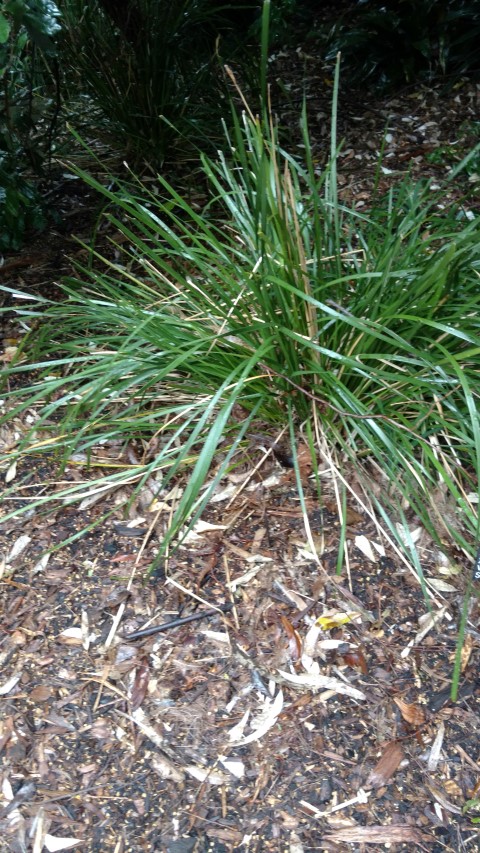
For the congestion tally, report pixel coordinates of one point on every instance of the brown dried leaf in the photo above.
(466, 651)
(412, 714)
(116, 596)
(386, 766)
(351, 516)
(356, 658)
(41, 693)
(294, 641)
(304, 459)
(140, 685)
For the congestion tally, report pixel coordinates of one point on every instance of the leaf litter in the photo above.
(290, 714)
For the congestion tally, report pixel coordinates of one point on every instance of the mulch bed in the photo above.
(130, 744)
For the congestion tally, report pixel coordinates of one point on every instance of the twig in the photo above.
(176, 623)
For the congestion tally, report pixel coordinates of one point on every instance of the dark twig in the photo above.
(176, 623)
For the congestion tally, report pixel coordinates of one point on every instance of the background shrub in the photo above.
(154, 68)
(29, 106)
(392, 43)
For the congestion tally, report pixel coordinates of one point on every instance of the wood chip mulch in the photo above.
(314, 713)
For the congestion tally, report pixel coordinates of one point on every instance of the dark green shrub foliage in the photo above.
(392, 43)
(153, 66)
(21, 208)
(29, 107)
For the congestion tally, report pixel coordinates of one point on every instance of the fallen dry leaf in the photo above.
(351, 516)
(140, 685)
(53, 843)
(316, 681)
(71, 637)
(333, 619)
(364, 545)
(386, 766)
(356, 659)
(467, 649)
(412, 714)
(294, 641)
(263, 722)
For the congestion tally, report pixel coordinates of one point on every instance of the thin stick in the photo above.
(176, 623)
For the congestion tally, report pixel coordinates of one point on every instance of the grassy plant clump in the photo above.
(274, 302)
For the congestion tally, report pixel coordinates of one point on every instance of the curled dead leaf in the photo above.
(71, 637)
(294, 641)
(412, 714)
(355, 658)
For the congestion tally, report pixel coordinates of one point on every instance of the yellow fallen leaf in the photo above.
(333, 620)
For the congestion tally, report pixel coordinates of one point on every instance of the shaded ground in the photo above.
(143, 743)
